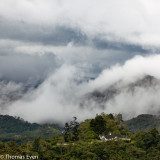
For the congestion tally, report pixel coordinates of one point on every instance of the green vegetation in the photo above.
(71, 131)
(143, 122)
(81, 141)
(102, 124)
(20, 131)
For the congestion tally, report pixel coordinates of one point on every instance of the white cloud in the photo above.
(131, 21)
(81, 38)
(61, 96)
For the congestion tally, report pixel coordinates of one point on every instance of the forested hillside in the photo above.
(82, 141)
(15, 128)
(143, 122)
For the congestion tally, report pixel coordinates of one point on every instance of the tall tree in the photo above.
(71, 130)
(98, 125)
(67, 132)
(74, 126)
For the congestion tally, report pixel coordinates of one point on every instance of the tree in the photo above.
(152, 138)
(36, 145)
(74, 126)
(71, 130)
(111, 116)
(98, 125)
(119, 118)
(67, 132)
(147, 140)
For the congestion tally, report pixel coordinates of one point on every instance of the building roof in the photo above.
(112, 136)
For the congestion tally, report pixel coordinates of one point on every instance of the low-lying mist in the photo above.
(131, 89)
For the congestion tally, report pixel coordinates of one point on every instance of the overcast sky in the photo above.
(36, 36)
(41, 39)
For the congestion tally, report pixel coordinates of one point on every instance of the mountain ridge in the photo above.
(143, 122)
(19, 130)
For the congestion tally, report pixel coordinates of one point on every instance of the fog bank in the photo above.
(65, 93)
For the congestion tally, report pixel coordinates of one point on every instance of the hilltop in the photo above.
(143, 122)
(82, 141)
(15, 128)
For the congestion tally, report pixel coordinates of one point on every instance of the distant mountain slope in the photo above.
(143, 122)
(103, 95)
(16, 128)
(137, 96)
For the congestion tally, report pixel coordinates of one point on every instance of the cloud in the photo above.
(63, 95)
(58, 22)
(58, 46)
(26, 68)
(126, 47)
(52, 98)
(35, 33)
(62, 36)
(9, 92)
(21, 60)
(129, 21)
(130, 71)
(92, 35)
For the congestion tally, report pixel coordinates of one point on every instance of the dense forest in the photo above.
(82, 141)
(143, 122)
(20, 131)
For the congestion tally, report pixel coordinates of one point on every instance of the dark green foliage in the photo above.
(102, 124)
(71, 130)
(9, 124)
(111, 116)
(75, 132)
(36, 145)
(144, 145)
(67, 131)
(85, 132)
(146, 139)
(98, 125)
(143, 122)
(16, 129)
